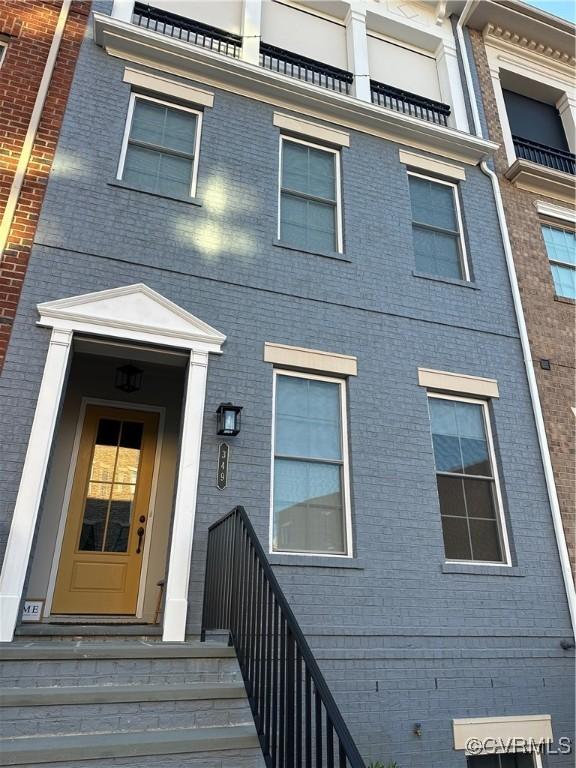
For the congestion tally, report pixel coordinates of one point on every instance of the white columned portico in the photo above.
(176, 605)
(133, 314)
(357, 50)
(27, 504)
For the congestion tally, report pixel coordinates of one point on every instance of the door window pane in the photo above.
(466, 481)
(308, 501)
(435, 228)
(112, 486)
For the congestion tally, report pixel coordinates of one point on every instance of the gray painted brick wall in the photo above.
(400, 640)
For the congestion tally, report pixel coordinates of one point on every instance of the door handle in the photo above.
(140, 533)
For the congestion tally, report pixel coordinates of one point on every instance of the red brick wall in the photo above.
(28, 27)
(551, 322)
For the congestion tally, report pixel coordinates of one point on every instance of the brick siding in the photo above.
(28, 27)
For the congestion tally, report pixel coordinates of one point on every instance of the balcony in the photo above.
(302, 68)
(181, 28)
(409, 103)
(543, 155)
(542, 169)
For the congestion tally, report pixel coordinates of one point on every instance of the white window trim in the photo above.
(323, 148)
(3, 50)
(128, 128)
(501, 519)
(345, 465)
(456, 196)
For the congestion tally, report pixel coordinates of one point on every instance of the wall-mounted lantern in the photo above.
(228, 419)
(128, 378)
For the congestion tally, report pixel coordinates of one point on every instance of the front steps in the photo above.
(126, 703)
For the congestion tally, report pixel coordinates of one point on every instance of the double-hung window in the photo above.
(561, 249)
(160, 148)
(310, 496)
(309, 203)
(466, 474)
(437, 230)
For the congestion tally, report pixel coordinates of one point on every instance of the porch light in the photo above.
(128, 378)
(228, 419)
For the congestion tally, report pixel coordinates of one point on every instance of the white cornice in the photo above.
(132, 43)
(495, 34)
(542, 180)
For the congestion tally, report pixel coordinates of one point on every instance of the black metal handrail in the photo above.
(296, 717)
(191, 31)
(558, 159)
(302, 68)
(409, 103)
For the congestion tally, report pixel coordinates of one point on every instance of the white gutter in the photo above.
(30, 138)
(531, 375)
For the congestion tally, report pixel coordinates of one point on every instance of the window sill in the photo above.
(482, 570)
(189, 200)
(565, 300)
(315, 561)
(447, 280)
(324, 254)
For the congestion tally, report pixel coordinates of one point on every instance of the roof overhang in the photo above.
(132, 43)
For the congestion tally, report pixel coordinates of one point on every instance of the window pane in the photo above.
(118, 529)
(560, 244)
(309, 170)
(308, 418)
(456, 540)
(141, 167)
(162, 126)
(94, 520)
(321, 226)
(433, 203)
(307, 223)
(294, 166)
(470, 420)
(308, 507)
(447, 453)
(175, 176)
(485, 540)
(321, 178)
(437, 253)
(564, 281)
(443, 416)
(451, 495)
(480, 498)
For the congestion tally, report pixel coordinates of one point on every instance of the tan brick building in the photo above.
(39, 45)
(525, 64)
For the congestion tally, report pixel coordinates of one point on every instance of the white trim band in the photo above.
(310, 359)
(552, 211)
(166, 87)
(492, 731)
(428, 164)
(311, 130)
(445, 381)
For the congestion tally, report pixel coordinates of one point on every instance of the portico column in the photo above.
(357, 49)
(122, 10)
(451, 85)
(27, 504)
(176, 607)
(566, 106)
(251, 31)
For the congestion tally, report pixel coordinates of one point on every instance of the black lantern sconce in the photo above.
(128, 378)
(228, 419)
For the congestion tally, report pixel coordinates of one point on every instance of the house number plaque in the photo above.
(223, 453)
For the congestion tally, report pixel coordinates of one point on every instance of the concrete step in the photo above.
(224, 747)
(82, 663)
(99, 709)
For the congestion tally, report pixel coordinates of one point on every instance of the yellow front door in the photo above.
(101, 559)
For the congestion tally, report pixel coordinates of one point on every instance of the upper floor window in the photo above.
(535, 120)
(310, 498)
(506, 760)
(437, 228)
(561, 248)
(160, 148)
(468, 488)
(310, 216)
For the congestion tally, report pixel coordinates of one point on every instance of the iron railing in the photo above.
(173, 25)
(298, 722)
(409, 103)
(557, 159)
(302, 68)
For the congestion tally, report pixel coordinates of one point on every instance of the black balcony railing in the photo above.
(302, 68)
(557, 159)
(409, 103)
(296, 717)
(191, 31)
